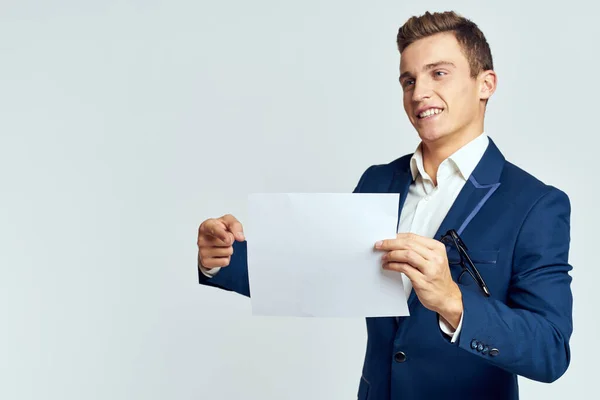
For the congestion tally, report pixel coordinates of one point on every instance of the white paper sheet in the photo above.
(312, 255)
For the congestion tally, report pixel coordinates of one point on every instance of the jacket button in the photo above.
(494, 352)
(485, 350)
(400, 357)
(479, 347)
(474, 344)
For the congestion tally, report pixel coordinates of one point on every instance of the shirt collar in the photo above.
(465, 159)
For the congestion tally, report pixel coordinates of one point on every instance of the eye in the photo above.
(408, 82)
(440, 72)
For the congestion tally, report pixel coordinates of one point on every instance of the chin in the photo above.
(430, 136)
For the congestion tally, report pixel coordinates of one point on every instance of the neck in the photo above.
(435, 152)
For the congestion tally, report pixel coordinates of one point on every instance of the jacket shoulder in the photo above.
(381, 174)
(516, 176)
(529, 188)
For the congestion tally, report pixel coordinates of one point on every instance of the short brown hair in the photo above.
(472, 41)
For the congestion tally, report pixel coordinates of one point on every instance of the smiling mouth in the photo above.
(430, 113)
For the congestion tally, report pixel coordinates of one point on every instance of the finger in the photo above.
(411, 273)
(215, 262)
(234, 226)
(410, 237)
(205, 240)
(416, 246)
(404, 243)
(215, 228)
(407, 256)
(431, 250)
(215, 252)
(387, 244)
(390, 244)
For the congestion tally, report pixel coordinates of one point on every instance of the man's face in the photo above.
(434, 73)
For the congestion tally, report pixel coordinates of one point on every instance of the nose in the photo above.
(421, 91)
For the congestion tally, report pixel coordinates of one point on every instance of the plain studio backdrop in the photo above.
(125, 124)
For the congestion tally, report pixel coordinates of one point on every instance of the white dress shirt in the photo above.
(426, 205)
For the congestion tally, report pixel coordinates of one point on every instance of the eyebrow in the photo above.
(428, 67)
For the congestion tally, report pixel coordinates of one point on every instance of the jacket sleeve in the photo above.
(234, 277)
(529, 334)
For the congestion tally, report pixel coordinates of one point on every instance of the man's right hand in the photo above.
(215, 240)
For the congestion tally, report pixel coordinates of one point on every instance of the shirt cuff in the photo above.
(209, 273)
(447, 329)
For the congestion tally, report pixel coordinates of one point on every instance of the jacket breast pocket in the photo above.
(363, 389)
(483, 260)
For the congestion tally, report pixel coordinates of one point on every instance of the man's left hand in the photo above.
(425, 263)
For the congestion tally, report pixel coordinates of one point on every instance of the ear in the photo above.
(488, 81)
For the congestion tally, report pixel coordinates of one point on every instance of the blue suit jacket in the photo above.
(517, 230)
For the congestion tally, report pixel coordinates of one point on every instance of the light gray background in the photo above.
(124, 124)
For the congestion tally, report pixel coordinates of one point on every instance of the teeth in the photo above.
(429, 112)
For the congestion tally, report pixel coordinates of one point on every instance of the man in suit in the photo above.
(482, 245)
